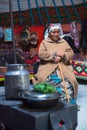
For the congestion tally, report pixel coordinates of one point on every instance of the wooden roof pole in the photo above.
(12, 26)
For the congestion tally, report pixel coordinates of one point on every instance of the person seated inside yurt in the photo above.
(55, 69)
(32, 57)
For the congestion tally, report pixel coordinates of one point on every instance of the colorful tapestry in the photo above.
(58, 15)
(8, 34)
(80, 69)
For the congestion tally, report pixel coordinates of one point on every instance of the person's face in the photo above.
(54, 35)
(34, 39)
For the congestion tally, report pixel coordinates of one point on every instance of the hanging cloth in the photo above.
(83, 39)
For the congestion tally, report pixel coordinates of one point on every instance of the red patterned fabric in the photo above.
(80, 69)
(32, 60)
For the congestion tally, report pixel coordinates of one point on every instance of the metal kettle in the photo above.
(16, 80)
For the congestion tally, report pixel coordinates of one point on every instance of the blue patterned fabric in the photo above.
(56, 81)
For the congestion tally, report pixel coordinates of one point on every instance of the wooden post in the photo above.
(12, 26)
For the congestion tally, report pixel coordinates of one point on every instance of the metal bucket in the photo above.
(16, 80)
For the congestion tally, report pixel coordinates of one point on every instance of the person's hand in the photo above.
(60, 54)
(57, 59)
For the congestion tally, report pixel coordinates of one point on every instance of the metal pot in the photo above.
(35, 99)
(16, 80)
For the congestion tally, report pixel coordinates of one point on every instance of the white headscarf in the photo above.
(51, 28)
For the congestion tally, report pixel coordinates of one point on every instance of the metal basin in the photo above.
(35, 99)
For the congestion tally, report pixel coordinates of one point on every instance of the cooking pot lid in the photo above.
(37, 95)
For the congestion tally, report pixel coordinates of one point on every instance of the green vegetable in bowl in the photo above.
(44, 88)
